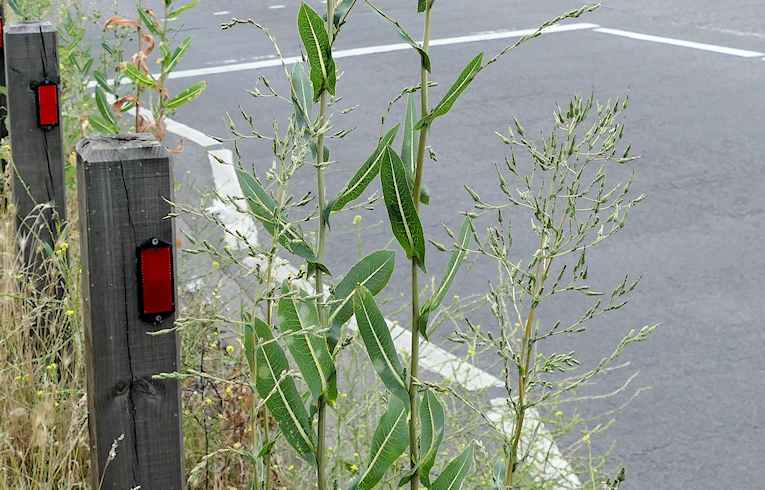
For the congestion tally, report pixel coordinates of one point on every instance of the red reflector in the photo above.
(155, 266)
(2, 32)
(47, 105)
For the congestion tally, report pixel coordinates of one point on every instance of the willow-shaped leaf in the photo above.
(432, 419)
(265, 210)
(298, 317)
(424, 58)
(169, 62)
(364, 175)
(390, 440)
(301, 94)
(316, 43)
(455, 261)
(186, 95)
(372, 272)
(342, 11)
(278, 389)
(379, 343)
(455, 472)
(136, 75)
(459, 86)
(410, 145)
(401, 211)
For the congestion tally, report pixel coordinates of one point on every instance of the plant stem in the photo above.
(321, 452)
(414, 483)
(266, 416)
(524, 366)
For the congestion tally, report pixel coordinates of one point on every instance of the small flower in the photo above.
(229, 349)
(237, 445)
(586, 438)
(216, 264)
(357, 219)
(354, 468)
(69, 313)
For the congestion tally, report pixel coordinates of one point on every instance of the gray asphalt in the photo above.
(696, 118)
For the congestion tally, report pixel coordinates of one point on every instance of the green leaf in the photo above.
(301, 95)
(264, 209)
(401, 211)
(186, 95)
(459, 86)
(455, 472)
(364, 175)
(101, 125)
(137, 76)
(298, 317)
(422, 5)
(148, 21)
(455, 261)
(372, 272)
(249, 341)
(409, 146)
(342, 11)
(379, 343)
(105, 109)
(424, 58)
(102, 82)
(173, 14)
(319, 50)
(432, 419)
(390, 440)
(169, 62)
(280, 392)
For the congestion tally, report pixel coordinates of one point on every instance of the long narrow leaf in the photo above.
(105, 109)
(186, 95)
(364, 175)
(455, 261)
(410, 145)
(379, 343)
(460, 85)
(132, 72)
(424, 58)
(402, 214)
(390, 440)
(264, 209)
(372, 272)
(298, 317)
(280, 393)
(432, 419)
(319, 50)
(455, 472)
(301, 95)
(170, 62)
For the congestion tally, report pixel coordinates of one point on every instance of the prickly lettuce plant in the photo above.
(303, 318)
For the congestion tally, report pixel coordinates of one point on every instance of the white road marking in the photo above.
(222, 12)
(275, 7)
(744, 53)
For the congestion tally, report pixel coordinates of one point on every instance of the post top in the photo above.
(30, 27)
(121, 147)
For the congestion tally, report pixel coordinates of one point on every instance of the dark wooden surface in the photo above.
(124, 184)
(38, 158)
(3, 110)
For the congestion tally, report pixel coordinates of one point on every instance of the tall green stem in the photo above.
(414, 458)
(269, 320)
(321, 450)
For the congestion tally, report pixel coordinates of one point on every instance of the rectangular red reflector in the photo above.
(47, 105)
(2, 32)
(155, 265)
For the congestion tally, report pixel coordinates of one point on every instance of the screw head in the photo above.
(155, 241)
(158, 318)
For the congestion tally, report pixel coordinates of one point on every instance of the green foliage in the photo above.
(277, 387)
(424, 58)
(380, 347)
(319, 50)
(455, 472)
(388, 444)
(458, 88)
(402, 214)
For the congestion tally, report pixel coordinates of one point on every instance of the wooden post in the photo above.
(3, 100)
(38, 158)
(124, 185)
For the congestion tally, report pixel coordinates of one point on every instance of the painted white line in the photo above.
(544, 454)
(364, 51)
(222, 12)
(744, 53)
(276, 7)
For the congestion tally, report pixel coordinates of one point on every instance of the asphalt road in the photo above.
(696, 118)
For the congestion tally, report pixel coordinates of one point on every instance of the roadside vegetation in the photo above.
(301, 382)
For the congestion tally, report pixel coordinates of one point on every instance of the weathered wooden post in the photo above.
(128, 287)
(32, 75)
(3, 102)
